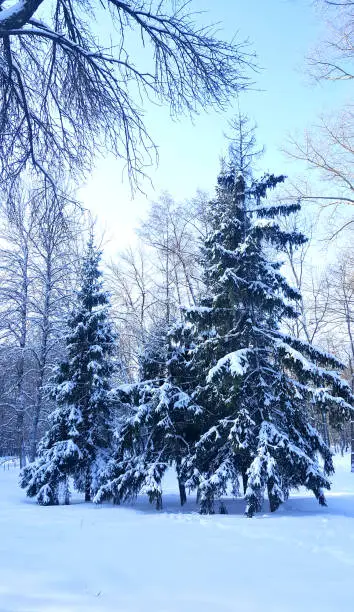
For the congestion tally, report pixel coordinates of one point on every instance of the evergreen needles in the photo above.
(236, 399)
(227, 397)
(79, 437)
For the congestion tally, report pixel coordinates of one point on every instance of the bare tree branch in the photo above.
(67, 93)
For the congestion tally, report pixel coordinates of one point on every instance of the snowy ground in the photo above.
(83, 558)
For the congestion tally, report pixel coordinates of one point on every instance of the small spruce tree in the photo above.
(163, 423)
(79, 437)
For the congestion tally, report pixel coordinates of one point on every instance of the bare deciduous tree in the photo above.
(313, 321)
(15, 296)
(71, 82)
(150, 283)
(341, 305)
(333, 58)
(54, 270)
(133, 304)
(37, 274)
(328, 147)
(172, 231)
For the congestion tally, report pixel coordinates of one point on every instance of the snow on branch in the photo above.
(235, 363)
(18, 14)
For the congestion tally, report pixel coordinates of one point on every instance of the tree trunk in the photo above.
(20, 425)
(21, 404)
(42, 356)
(244, 482)
(182, 492)
(159, 502)
(23, 459)
(34, 435)
(87, 486)
(181, 485)
(39, 384)
(67, 493)
(37, 412)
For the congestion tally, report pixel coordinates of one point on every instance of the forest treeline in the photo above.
(212, 347)
(219, 344)
(41, 254)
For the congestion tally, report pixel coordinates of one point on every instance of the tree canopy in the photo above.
(75, 77)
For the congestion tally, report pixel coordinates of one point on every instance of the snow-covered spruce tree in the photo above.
(162, 426)
(256, 384)
(79, 437)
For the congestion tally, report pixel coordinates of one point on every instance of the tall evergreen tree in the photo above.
(254, 382)
(79, 436)
(235, 400)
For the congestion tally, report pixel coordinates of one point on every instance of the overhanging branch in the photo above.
(17, 15)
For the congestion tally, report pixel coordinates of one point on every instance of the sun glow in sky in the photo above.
(283, 100)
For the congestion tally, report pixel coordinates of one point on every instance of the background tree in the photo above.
(333, 58)
(171, 231)
(326, 309)
(39, 252)
(134, 303)
(150, 283)
(16, 294)
(327, 147)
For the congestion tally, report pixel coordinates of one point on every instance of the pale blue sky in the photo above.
(281, 32)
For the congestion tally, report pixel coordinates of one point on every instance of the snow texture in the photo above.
(11, 11)
(87, 558)
(236, 362)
